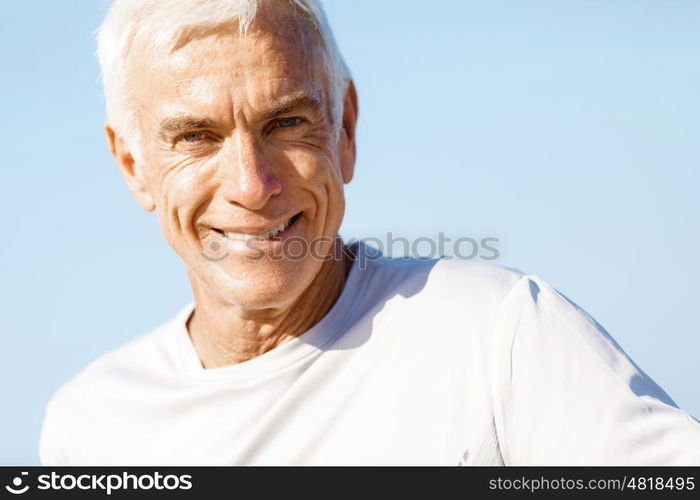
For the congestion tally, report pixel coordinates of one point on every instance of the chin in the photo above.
(264, 283)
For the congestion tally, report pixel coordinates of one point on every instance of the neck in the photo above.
(223, 335)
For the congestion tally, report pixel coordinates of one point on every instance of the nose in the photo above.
(249, 180)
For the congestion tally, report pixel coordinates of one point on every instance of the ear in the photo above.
(131, 170)
(347, 138)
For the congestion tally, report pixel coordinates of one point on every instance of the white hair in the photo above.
(162, 25)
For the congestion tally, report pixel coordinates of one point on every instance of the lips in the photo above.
(246, 234)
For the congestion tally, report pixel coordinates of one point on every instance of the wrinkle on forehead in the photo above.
(213, 54)
(262, 71)
(284, 23)
(284, 43)
(265, 65)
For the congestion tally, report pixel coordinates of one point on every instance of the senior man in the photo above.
(235, 121)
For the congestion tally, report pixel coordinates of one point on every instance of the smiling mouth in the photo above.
(270, 234)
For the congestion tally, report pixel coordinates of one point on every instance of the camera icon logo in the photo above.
(17, 482)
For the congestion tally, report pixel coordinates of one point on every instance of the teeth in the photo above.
(240, 236)
(270, 234)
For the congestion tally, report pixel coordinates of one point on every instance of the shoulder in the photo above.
(72, 408)
(140, 357)
(446, 283)
(456, 297)
(474, 278)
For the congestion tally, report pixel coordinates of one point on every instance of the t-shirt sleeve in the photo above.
(51, 451)
(566, 394)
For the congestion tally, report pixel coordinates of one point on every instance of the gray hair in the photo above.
(163, 24)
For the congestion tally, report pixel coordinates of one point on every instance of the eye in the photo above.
(288, 122)
(193, 136)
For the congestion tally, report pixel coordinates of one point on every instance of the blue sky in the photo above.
(568, 130)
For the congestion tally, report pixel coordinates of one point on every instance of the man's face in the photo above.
(238, 143)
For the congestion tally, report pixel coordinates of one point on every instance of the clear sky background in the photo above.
(570, 130)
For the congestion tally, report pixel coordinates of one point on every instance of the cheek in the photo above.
(312, 169)
(319, 175)
(182, 190)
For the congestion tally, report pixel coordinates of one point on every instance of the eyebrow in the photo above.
(293, 102)
(170, 127)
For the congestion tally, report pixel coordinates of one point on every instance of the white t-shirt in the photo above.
(419, 362)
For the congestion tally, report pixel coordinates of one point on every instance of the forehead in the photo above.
(226, 55)
(278, 55)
